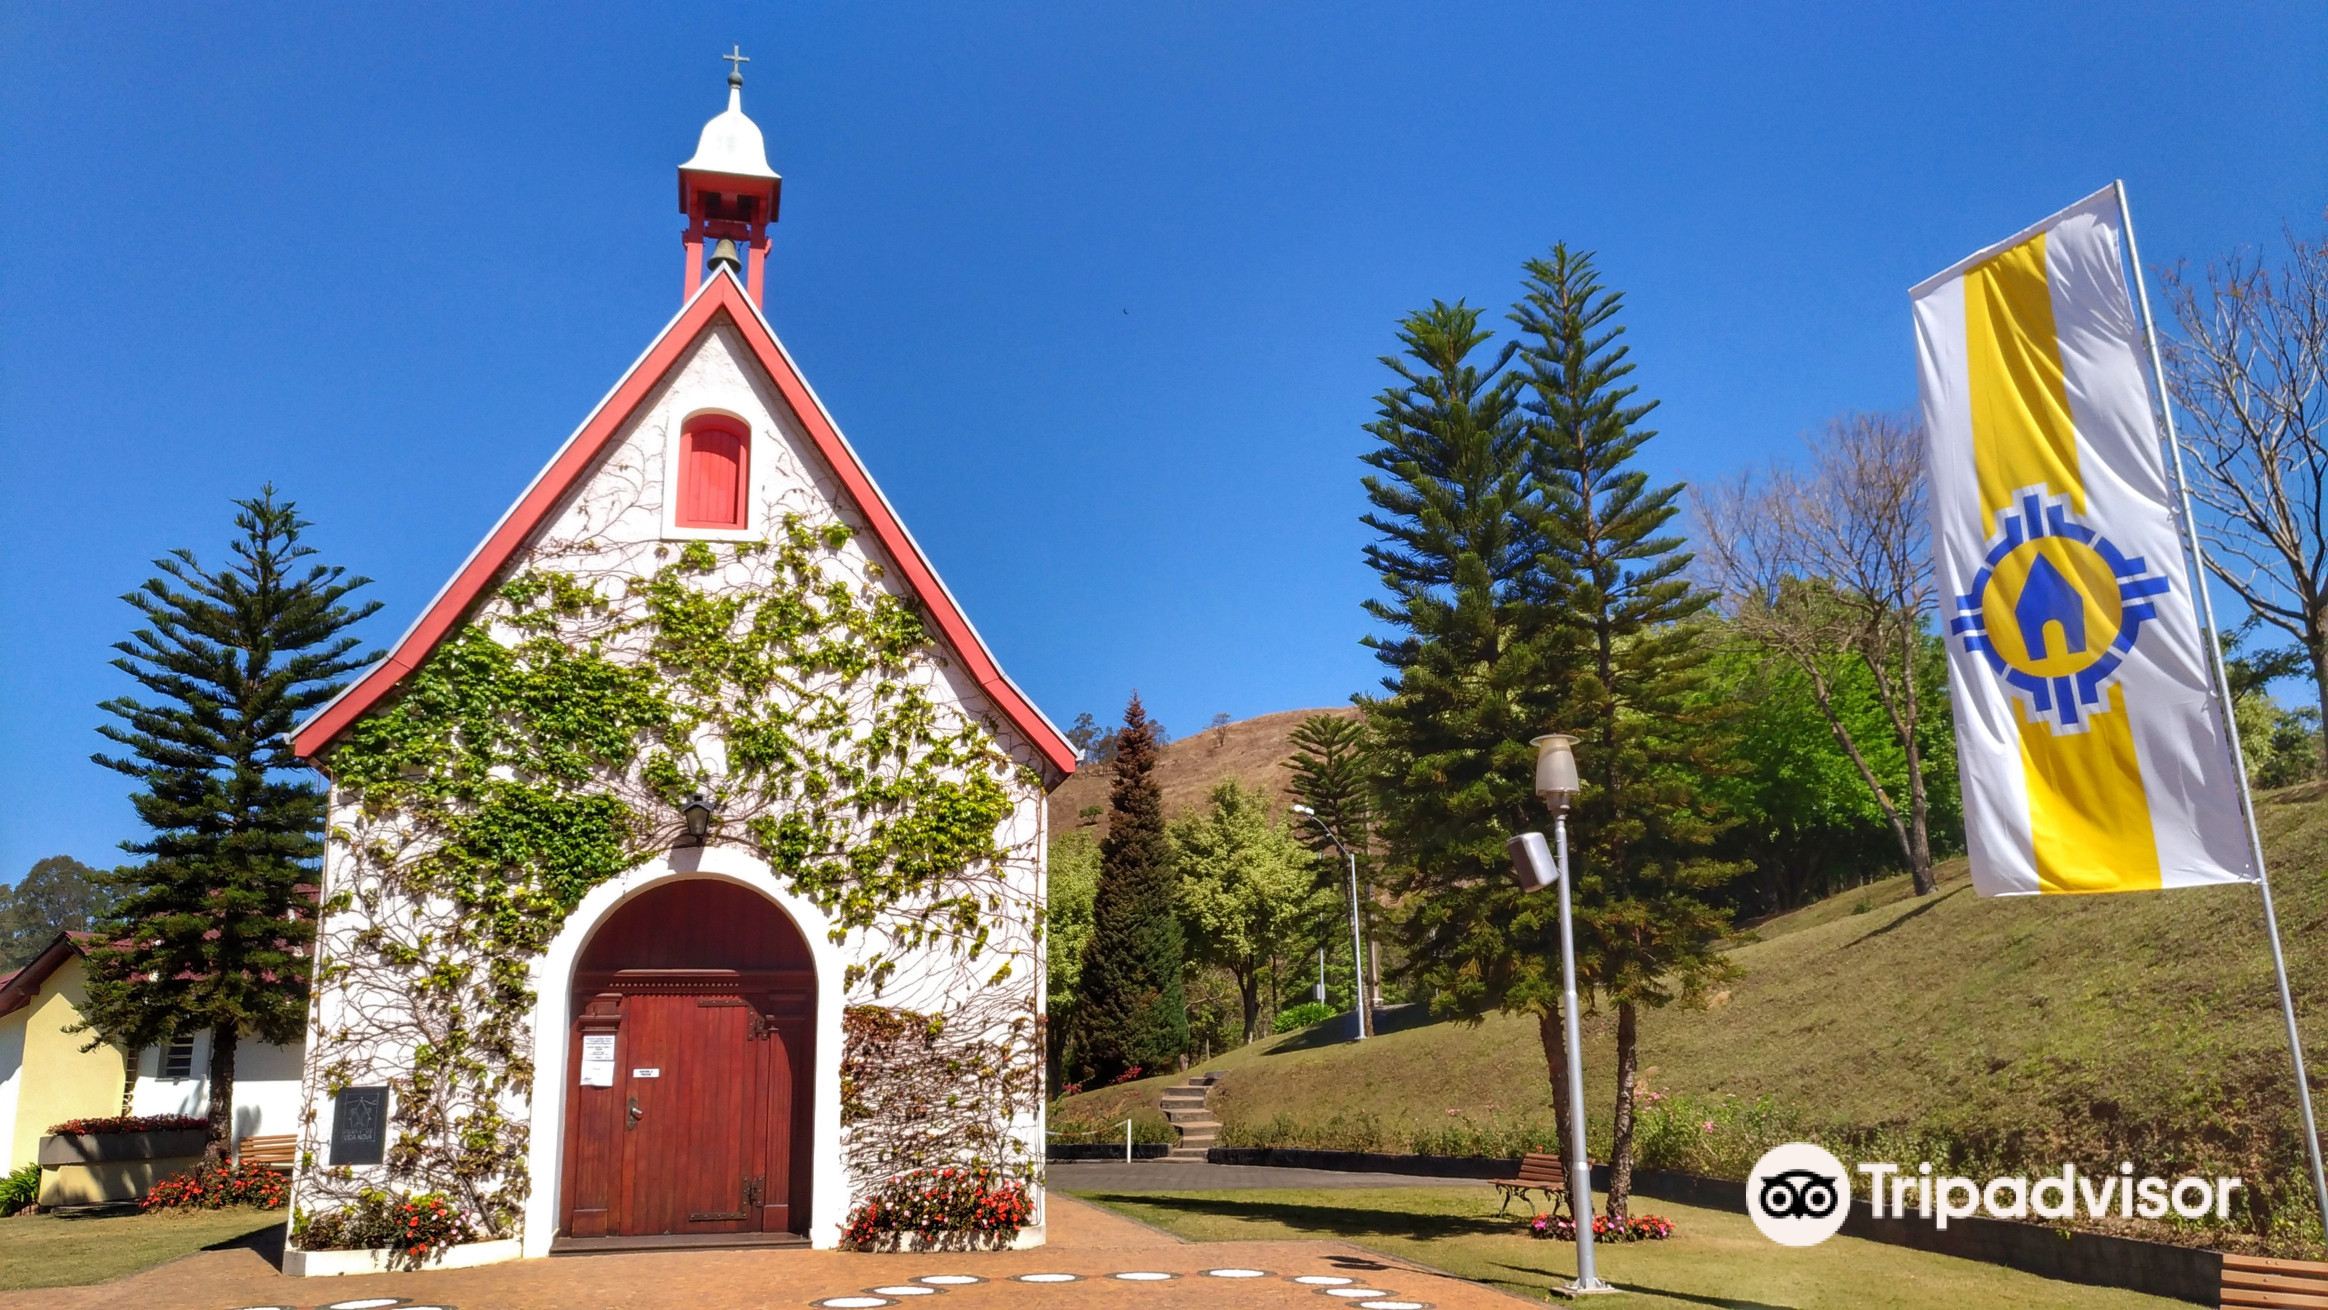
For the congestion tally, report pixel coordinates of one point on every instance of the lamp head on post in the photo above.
(1323, 826)
(1533, 867)
(699, 814)
(1556, 781)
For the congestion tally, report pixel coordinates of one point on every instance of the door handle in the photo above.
(633, 1114)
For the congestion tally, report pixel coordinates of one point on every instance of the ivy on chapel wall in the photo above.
(544, 748)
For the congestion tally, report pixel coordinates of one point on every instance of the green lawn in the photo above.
(71, 1251)
(2025, 1032)
(1713, 1259)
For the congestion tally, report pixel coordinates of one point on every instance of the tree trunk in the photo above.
(1249, 993)
(221, 1126)
(2317, 648)
(1920, 842)
(1621, 1135)
(1551, 1032)
(1919, 801)
(1909, 842)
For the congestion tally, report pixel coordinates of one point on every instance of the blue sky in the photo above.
(1097, 290)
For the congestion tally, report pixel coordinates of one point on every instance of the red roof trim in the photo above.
(720, 297)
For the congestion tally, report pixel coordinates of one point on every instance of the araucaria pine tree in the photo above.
(1628, 635)
(1470, 680)
(1129, 1009)
(212, 929)
(1332, 771)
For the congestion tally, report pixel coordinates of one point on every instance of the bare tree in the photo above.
(1830, 566)
(2250, 372)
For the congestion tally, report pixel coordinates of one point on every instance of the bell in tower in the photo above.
(728, 192)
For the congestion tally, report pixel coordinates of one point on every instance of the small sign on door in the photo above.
(598, 1060)
(646, 1073)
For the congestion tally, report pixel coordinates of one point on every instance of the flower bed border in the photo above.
(382, 1260)
(58, 1149)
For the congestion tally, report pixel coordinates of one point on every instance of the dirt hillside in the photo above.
(1252, 751)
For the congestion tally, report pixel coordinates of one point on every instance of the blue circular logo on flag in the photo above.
(2055, 609)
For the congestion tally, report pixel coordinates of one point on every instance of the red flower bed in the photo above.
(215, 1186)
(1640, 1228)
(411, 1228)
(130, 1123)
(950, 1199)
(427, 1223)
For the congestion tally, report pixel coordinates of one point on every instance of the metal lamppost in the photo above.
(1535, 868)
(1357, 945)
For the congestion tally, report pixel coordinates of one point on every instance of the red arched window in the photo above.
(714, 473)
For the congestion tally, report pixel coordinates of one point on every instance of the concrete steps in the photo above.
(1187, 1107)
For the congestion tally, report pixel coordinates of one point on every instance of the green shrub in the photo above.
(19, 1189)
(1305, 1015)
(1503, 1139)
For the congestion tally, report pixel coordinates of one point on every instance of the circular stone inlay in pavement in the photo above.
(1324, 1280)
(1357, 1293)
(1236, 1273)
(949, 1280)
(854, 1302)
(1046, 1278)
(905, 1289)
(1144, 1276)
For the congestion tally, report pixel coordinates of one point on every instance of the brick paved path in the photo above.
(1089, 1243)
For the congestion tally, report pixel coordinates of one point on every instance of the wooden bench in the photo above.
(2251, 1282)
(1538, 1173)
(272, 1152)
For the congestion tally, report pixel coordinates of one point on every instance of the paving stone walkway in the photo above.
(1095, 1260)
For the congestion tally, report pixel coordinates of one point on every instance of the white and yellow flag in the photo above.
(2089, 734)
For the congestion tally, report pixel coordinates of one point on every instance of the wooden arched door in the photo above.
(689, 1069)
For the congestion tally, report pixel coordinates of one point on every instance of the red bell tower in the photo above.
(729, 193)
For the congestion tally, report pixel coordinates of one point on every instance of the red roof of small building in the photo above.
(720, 299)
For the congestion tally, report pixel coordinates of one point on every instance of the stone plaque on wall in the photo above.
(359, 1125)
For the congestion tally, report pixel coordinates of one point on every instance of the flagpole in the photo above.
(2230, 727)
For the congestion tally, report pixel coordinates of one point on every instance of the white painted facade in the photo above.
(617, 522)
(266, 1087)
(11, 1082)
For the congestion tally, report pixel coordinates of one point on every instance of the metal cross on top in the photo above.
(736, 60)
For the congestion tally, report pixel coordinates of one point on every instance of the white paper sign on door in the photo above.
(598, 1060)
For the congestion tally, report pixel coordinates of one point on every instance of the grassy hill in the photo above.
(1252, 751)
(2000, 1035)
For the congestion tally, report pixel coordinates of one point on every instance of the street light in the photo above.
(1357, 945)
(1535, 868)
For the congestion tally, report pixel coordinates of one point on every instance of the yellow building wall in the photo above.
(59, 1080)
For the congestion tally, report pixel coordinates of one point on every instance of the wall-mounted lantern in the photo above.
(699, 814)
